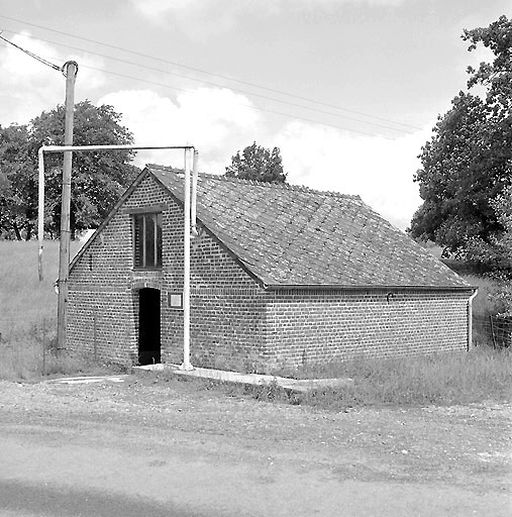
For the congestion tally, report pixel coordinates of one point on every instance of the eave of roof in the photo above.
(280, 287)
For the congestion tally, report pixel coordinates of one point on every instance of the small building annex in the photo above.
(280, 275)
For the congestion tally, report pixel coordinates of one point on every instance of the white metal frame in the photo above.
(189, 224)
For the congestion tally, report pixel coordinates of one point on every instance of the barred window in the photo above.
(148, 240)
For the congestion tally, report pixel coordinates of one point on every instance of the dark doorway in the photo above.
(149, 326)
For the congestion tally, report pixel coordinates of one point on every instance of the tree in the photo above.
(499, 256)
(257, 163)
(17, 186)
(98, 178)
(468, 161)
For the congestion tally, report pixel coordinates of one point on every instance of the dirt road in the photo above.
(140, 448)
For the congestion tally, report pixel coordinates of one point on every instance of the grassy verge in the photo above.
(26, 357)
(481, 375)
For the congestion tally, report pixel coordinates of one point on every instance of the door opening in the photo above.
(149, 326)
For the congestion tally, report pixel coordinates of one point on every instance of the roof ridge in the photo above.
(268, 184)
(167, 168)
(278, 184)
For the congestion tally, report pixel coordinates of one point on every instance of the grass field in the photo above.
(23, 299)
(28, 310)
(27, 327)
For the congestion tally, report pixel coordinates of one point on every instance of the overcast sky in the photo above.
(349, 90)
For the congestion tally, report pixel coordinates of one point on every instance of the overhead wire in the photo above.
(249, 106)
(164, 85)
(210, 83)
(221, 76)
(287, 115)
(31, 54)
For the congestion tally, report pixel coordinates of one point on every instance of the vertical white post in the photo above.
(186, 268)
(470, 320)
(40, 214)
(194, 194)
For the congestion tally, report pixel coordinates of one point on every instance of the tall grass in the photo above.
(28, 310)
(482, 374)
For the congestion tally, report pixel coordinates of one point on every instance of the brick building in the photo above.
(280, 275)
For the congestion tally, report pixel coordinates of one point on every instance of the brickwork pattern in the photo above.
(103, 295)
(227, 308)
(228, 328)
(318, 326)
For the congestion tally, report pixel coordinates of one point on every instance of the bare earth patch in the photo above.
(107, 448)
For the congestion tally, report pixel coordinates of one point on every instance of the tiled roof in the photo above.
(295, 236)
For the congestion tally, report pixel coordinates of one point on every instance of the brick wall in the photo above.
(319, 326)
(227, 328)
(227, 308)
(103, 301)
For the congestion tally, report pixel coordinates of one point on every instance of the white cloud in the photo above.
(216, 120)
(219, 123)
(377, 169)
(28, 87)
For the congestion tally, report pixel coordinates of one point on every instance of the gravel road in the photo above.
(148, 447)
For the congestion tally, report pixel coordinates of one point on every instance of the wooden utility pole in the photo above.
(70, 70)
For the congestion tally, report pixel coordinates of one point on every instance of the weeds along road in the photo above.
(146, 447)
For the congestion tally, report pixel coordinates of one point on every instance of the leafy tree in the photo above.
(98, 178)
(468, 161)
(498, 255)
(17, 186)
(257, 163)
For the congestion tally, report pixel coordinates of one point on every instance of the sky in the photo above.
(349, 90)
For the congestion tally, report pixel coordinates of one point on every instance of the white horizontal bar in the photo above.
(127, 147)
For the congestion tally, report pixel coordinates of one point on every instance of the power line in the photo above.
(287, 115)
(31, 54)
(184, 90)
(210, 83)
(48, 63)
(199, 70)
